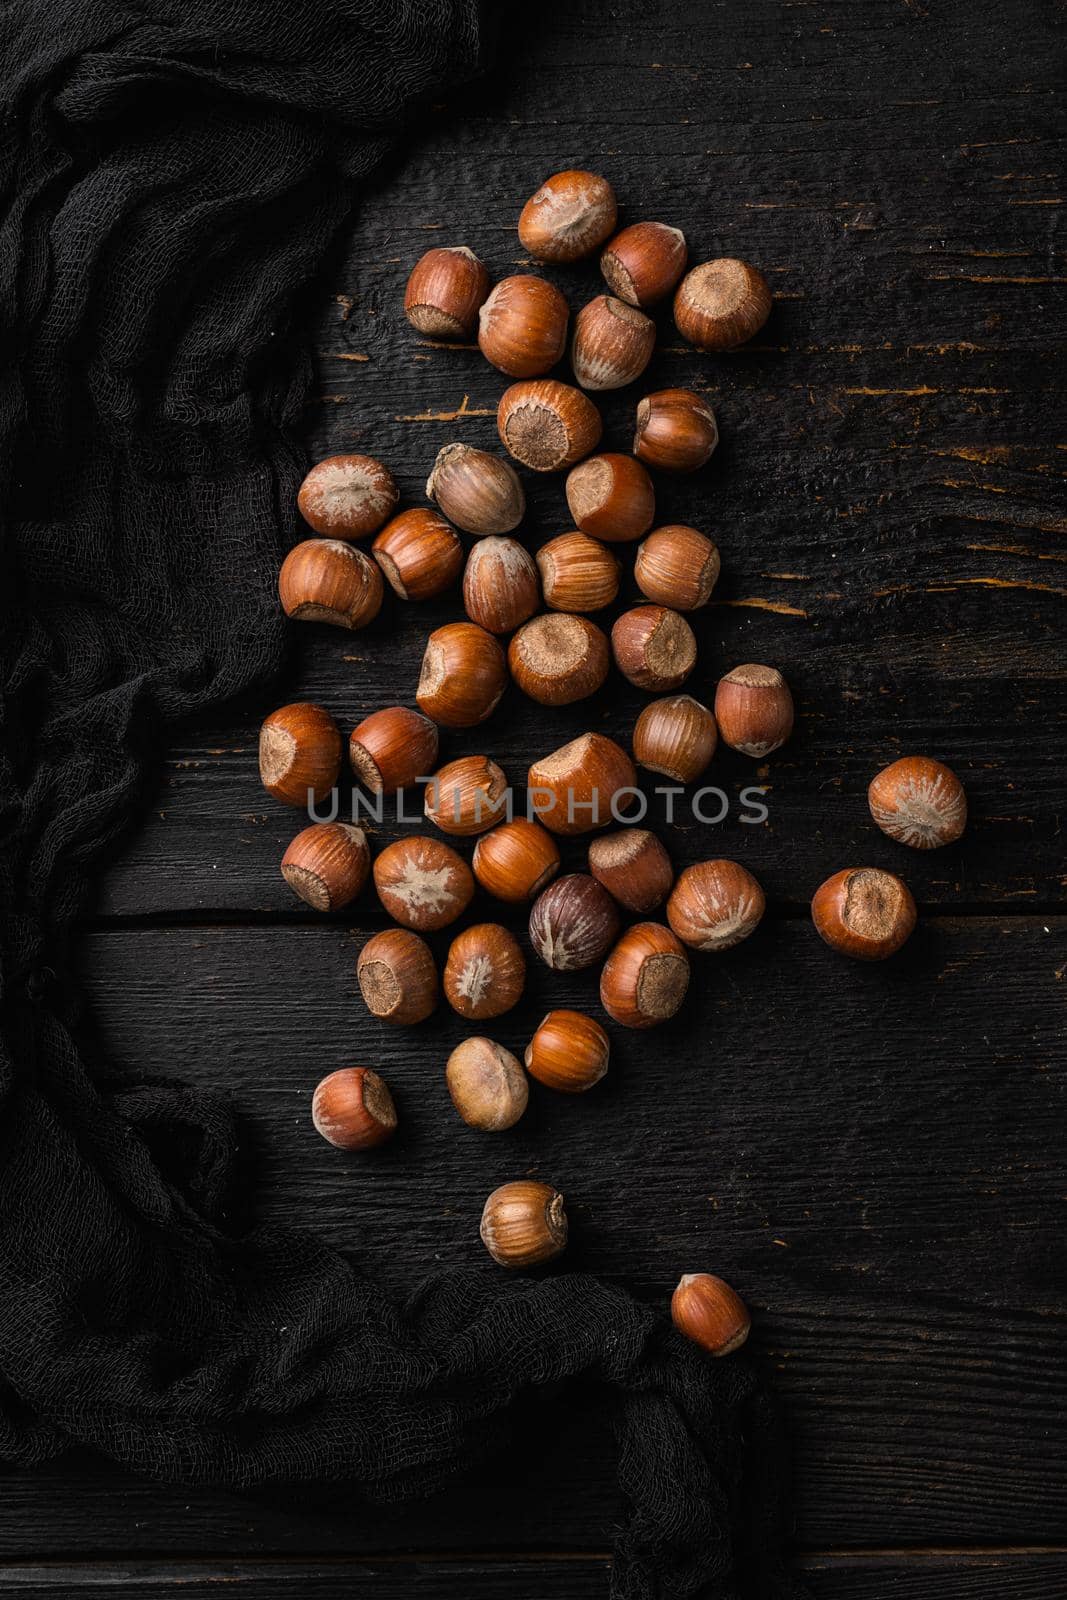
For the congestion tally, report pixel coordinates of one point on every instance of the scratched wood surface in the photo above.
(872, 1155)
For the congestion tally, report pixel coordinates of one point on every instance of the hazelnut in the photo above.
(577, 573)
(299, 753)
(487, 1085)
(419, 553)
(524, 1223)
(568, 217)
(568, 1052)
(516, 860)
(446, 288)
(547, 425)
(353, 1109)
(676, 431)
(347, 497)
(479, 492)
(392, 748)
(422, 883)
(558, 658)
(573, 923)
(485, 972)
(467, 796)
(643, 263)
(612, 344)
(653, 647)
(634, 868)
(677, 566)
(754, 709)
(575, 789)
(918, 802)
(720, 304)
(611, 497)
(327, 865)
(500, 587)
(397, 977)
(714, 905)
(645, 977)
(864, 912)
(522, 327)
(676, 736)
(463, 675)
(324, 580)
(708, 1311)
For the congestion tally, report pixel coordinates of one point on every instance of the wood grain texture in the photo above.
(871, 1155)
(942, 1577)
(214, 838)
(888, 494)
(863, 1151)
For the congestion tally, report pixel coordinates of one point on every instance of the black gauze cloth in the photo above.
(173, 174)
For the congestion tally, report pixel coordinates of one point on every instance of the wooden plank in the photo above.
(864, 1151)
(981, 1576)
(888, 492)
(213, 838)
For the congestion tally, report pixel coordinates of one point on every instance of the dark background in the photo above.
(873, 1156)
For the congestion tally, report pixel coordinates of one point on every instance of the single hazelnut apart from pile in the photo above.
(643, 263)
(568, 217)
(327, 864)
(634, 868)
(446, 288)
(500, 586)
(467, 796)
(353, 1109)
(710, 1313)
(397, 977)
(720, 304)
(677, 566)
(485, 972)
(522, 327)
(676, 431)
(568, 1052)
(754, 709)
(611, 497)
(715, 904)
(574, 923)
(515, 861)
(864, 912)
(326, 580)
(422, 883)
(558, 658)
(347, 497)
(918, 802)
(547, 425)
(487, 1085)
(645, 977)
(391, 749)
(524, 1224)
(419, 554)
(577, 573)
(653, 647)
(463, 675)
(582, 786)
(479, 492)
(676, 736)
(299, 753)
(612, 344)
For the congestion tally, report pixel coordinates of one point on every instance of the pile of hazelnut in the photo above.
(557, 656)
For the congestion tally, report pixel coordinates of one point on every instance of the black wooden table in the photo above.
(873, 1156)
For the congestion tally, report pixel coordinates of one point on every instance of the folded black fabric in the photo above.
(173, 174)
